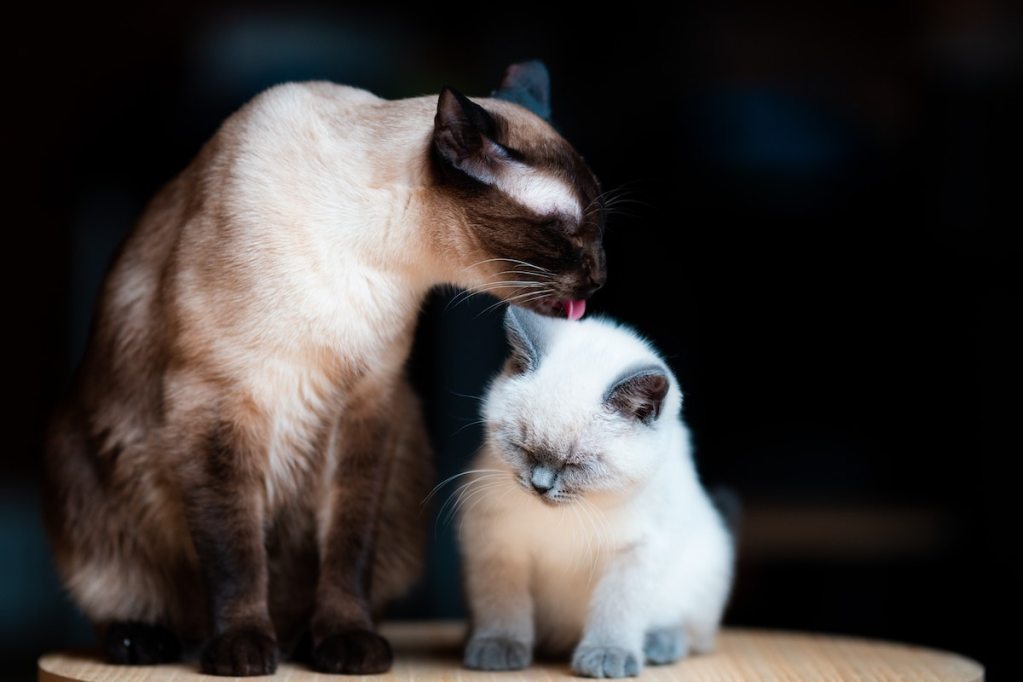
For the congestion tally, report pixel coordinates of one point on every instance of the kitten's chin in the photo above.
(560, 501)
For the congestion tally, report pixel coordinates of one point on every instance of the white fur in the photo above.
(541, 193)
(643, 550)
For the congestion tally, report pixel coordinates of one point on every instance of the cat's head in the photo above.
(581, 408)
(526, 211)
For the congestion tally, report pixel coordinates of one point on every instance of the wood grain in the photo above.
(430, 652)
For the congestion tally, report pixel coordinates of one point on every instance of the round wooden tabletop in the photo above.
(432, 651)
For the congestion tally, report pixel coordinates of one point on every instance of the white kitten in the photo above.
(584, 524)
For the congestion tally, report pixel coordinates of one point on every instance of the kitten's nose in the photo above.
(542, 479)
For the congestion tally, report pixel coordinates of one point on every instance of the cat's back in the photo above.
(302, 103)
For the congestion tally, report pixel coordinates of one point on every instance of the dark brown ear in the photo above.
(464, 136)
(639, 394)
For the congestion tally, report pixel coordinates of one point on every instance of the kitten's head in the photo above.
(528, 209)
(581, 408)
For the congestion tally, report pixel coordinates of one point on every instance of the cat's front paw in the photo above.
(497, 653)
(241, 653)
(140, 644)
(355, 652)
(606, 661)
(665, 645)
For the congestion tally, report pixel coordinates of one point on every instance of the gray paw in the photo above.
(664, 646)
(605, 661)
(496, 653)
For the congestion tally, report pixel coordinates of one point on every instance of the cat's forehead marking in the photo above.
(540, 192)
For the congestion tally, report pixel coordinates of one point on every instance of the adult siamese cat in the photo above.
(241, 459)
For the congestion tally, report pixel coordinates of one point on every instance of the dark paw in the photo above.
(605, 661)
(356, 652)
(241, 653)
(140, 644)
(496, 653)
(664, 646)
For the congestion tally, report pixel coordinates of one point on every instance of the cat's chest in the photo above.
(567, 565)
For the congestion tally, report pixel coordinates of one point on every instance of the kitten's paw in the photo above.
(606, 661)
(355, 652)
(140, 644)
(665, 645)
(241, 653)
(497, 653)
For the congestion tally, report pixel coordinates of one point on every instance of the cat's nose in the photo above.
(542, 479)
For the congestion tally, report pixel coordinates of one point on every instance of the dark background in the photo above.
(834, 183)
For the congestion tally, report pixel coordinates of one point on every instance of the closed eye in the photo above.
(526, 452)
(512, 153)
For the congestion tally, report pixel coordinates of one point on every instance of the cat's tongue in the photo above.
(574, 309)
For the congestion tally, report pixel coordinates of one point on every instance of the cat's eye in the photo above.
(513, 153)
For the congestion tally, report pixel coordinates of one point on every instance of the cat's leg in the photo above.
(344, 640)
(401, 535)
(703, 635)
(664, 645)
(497, 584)
(223, 498)
(613, 636)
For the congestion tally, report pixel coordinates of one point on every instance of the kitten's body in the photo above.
(241, 452)
(623, 558)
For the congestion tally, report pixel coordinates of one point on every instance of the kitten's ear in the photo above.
(529, 85)
(463, 135)
(527, 334)
(639, 394)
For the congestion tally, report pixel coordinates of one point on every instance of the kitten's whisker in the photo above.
(600, 528)
(478, 398)
(579, 515)
(447, 480)
(457, 495)
(470, 494)
(479, 494)
(463, 427)
(590, 537)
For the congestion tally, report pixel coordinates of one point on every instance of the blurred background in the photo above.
(836, 181)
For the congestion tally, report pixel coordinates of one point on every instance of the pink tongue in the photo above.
(575, 309)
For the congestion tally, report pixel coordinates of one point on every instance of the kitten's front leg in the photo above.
(224, 511)
(497, 582)
(344, 641)
(612, 641)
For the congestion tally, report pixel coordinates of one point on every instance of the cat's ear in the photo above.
(529, 85)
(639, 394)
(463, 135)
(528, 333)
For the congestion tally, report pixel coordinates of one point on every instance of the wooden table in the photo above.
(432, 651)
